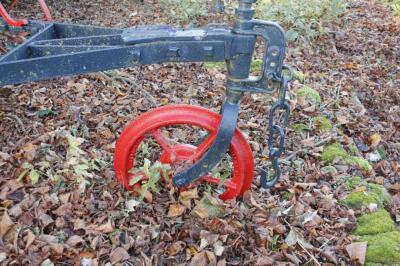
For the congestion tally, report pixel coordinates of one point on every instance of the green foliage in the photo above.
(393, 4)
(153, 174)
(373, 193)
(33, 173)
(214, 65)
(305, 19)
(183, 11)
(361, 163)
(45, 112)
(298, 75)
(351, 183)
(333, 151)
(383, 248)
(322, 123)
(374, 223)
(309, 94)
(299, 127)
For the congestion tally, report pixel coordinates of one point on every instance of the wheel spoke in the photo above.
(161, 139)
(203, 147)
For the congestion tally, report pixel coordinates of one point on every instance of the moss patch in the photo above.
(361, 163)
(214, 65)
(333, 151)
(374, 223)
(373, 193)
(309, 94)
(299, 127)
(351, 183)
(322, 123)
(383, 248)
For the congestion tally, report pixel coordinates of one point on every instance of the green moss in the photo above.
(299, 127)
(374, 223)
(351, 183)
(298, 75)
(322, 123)
(373, 194)
(353, 149)
(256, 65)
(214, 65)
(361, 163)
(383, 248)
(310, 94)
(333, 151)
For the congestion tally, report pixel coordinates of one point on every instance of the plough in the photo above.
(82, 49)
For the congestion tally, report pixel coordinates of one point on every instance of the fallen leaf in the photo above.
(208, 207)
(185, 197)
(176, 210)
(64, 210)
(175, 248)
(295, 237)
(130, 205)
(30, 151)
(5, 224)
(374, 140)
(45, 219)
(30, 238)
(105, 228)
(119, 255)
(357, 251)
(47, 262)
(74, 240)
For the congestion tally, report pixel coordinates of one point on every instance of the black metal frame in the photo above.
(60, 49)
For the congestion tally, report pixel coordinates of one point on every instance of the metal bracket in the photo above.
(213, 156)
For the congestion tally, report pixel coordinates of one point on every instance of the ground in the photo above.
(61, 204)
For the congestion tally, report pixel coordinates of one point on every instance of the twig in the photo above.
(309, 254)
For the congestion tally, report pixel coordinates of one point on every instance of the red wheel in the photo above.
(152, 124)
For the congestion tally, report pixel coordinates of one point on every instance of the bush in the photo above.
(183, 11)
(305, 19)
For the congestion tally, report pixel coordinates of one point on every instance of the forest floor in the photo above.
(349, 129)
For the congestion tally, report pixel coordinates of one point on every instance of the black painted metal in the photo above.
(213, 156)
(59, 49)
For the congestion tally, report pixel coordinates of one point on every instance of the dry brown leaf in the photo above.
(357, 251)
(374, 140)
(5, 224)
(119, 255)
(176, 210)
(30, 151)
(74, 240)
(185, 197)
(30, 238)
(105, 228)
(63, 210)
(175, 248)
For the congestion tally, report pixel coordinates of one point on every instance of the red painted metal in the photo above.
(9, 20)
(45, 10)
(150, 123)
(21, 22)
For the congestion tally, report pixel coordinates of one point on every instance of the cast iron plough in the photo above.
(59, 49)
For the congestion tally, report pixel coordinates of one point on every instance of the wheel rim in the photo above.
(151, 123)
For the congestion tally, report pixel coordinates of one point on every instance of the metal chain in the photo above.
(276, 141)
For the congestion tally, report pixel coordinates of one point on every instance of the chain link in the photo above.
(276, 141)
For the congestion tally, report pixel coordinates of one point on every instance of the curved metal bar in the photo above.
(213, 156)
